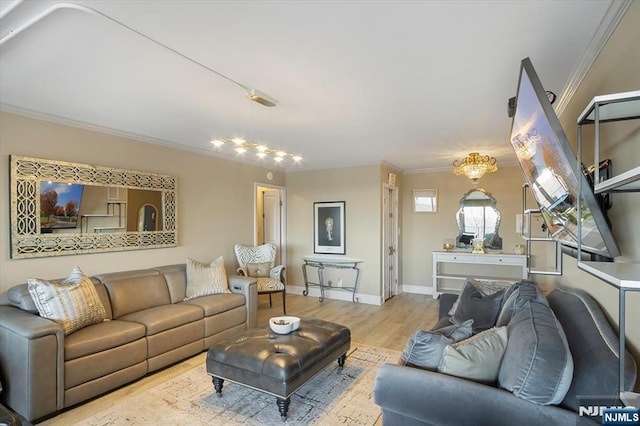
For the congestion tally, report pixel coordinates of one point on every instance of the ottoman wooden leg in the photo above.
(217, 384)
(341, 360)
(283, 406)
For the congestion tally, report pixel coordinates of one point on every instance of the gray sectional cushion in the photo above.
(424, 349)
(516, 296)
(474, 304)
(485, 287)
(537, 365)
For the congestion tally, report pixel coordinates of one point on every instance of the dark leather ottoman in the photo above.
(278, 364)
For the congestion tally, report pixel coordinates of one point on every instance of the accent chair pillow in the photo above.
(474, 304)
(537, 364)
(203, 280)
(477, 358)
(424, 349)
(258, 270)
(73, 303)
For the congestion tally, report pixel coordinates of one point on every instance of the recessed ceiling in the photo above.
(413, 84)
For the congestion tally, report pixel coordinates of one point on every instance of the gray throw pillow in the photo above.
(537, 365)
(424, 349)
(483, 309)
(477, 358)
(486, 287)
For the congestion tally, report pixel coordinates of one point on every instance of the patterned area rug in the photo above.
(332, 397)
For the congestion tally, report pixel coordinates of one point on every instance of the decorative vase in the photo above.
(448, 244)
(478, 245)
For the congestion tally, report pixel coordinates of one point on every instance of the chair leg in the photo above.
(284, 302)
(270, 304)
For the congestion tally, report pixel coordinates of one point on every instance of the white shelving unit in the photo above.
(623, 276)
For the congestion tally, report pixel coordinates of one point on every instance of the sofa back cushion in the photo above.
(134, 291)
(593, 344)
(176, 278)
(537, 365)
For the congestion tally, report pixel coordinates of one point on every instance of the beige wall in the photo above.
(426, 232)
(360, 188)
(215, 197)
(617, 69)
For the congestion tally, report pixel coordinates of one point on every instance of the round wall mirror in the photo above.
(478, 217)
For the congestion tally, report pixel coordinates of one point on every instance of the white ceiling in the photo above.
(415, 84)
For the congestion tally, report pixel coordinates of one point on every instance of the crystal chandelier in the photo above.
(262, 151)
(474, 166)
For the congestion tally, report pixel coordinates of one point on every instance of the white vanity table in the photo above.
(502, 267)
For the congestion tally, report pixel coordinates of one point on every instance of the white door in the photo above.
(390, 242)
(272, 219)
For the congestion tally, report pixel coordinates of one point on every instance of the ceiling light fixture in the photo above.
(261, 98)
(525, 144)
(262, 151)
(474, 166)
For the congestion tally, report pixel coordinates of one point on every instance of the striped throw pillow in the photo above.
(203, 280)
(73, 303)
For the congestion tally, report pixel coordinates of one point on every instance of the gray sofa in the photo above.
(150, 327)
(413, 396)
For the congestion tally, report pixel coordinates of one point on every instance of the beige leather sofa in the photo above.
(150, 327)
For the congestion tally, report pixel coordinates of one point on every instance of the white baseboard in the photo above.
(337, 295)
(417, 289)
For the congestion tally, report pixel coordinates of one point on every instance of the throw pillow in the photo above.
(74, 303)
(424, 349)
(258, 270)
(537, 364)
(203, 280)
(483, 309)
(485, 287)
(477, 358)
(516, 296)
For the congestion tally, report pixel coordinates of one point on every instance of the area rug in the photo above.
(333, 397)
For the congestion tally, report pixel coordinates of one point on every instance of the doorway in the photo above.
(270, 218)
(389, 241)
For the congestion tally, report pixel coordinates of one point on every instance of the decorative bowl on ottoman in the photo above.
(284, 325)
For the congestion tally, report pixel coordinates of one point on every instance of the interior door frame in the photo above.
(392, 208)
(283, 216)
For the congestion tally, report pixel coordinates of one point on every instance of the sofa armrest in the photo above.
(446, 302)
(248, 287)
(31, 363)
(438, 399)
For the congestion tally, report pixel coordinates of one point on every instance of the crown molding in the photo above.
(607, 26)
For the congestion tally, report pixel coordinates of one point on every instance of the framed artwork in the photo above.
(425, 200)
(329, 227)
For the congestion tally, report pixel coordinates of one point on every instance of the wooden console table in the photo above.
(459, 257)
(322, 262)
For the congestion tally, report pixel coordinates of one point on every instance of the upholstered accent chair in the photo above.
(259, 262)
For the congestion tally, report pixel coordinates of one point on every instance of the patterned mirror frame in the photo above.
(28, 242)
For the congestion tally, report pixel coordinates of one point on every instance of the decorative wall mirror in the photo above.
(478, 217)
(60, 208)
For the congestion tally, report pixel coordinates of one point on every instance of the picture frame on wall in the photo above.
(329, 227)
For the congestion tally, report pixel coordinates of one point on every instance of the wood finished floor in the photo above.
(388, 326)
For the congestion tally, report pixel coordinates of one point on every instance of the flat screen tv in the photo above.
(549, 167)
(59, 205)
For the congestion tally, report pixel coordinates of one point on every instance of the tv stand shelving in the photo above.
(622, 276)
(111, 212)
